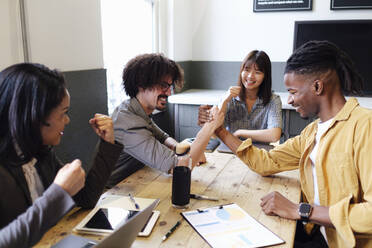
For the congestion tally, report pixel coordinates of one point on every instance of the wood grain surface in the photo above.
(224, 176)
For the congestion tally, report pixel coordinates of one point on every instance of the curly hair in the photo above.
(147, 70)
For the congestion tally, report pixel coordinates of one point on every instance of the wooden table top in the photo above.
(224, 176)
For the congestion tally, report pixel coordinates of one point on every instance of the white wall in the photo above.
(183, 23)
(166, 21)
(175, 26)
(61, 34)
(226, 30)
(65, 34)
(10, 45)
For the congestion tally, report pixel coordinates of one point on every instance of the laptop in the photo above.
(225, 149)
(122, 237)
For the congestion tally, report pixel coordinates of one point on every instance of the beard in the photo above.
(162, 104)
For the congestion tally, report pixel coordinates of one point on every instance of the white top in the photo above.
(211, 97)
(35, 186)
(322, 128)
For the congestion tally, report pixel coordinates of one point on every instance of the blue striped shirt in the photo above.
(261, 117)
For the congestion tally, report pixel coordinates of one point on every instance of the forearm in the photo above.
(263, 135)
(170, 143)
(223, 104)
(200, 142)
(230, 140)
(105, 158)
(320, 215)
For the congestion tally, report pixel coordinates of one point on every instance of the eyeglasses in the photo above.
(164, 86)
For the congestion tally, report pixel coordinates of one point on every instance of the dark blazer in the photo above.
(16, 200)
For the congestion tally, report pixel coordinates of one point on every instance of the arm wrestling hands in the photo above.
(204, 113)
(204, 135)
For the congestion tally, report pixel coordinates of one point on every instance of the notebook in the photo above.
(122, 237)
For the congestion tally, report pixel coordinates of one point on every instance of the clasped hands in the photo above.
(274, 203)
(210, 114)
(206, 114)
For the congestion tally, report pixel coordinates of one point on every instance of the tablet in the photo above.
(104, 220)
(150, 223)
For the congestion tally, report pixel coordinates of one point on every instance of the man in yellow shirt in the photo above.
(332, 153)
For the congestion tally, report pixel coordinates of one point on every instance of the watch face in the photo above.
(305, 209)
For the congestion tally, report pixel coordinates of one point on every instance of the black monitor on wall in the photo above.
(352, 36)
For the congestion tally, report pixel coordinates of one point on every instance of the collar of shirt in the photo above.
(33, 179)
(345, 112)
(137, 109)
(258, 102)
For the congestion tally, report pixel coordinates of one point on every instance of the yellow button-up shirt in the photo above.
(343, 170)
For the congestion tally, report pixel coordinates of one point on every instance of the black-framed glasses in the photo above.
(164, 86)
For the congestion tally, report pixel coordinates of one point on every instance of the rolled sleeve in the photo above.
(338, 214)
(281, 158)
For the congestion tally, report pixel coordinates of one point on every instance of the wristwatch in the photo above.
(304, 210)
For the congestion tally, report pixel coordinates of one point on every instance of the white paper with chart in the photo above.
(230, 226)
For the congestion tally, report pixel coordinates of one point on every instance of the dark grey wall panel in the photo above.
(88, 96)
(221, 75)
(214, 74)
(277, 74)
(187, 119)
(187, 67)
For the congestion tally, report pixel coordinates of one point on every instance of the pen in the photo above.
(134, 202)
(171, 230)
(203, 197)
